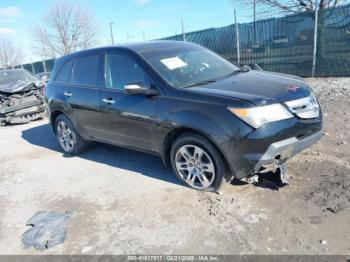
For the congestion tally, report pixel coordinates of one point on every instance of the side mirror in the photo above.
(139, 89)
(44, 79)
(39, 83)
(252, 67)
(246, 67)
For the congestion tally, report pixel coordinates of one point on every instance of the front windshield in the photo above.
(13, 76)
(188, 65)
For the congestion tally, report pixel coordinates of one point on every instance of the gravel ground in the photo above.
(126, 202)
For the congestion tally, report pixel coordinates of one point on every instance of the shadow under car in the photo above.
(135, 161)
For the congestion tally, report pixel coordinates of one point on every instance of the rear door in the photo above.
(57, 89)
(128, 119)
(83, 95)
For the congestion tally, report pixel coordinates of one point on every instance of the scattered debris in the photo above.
(341, 143)
(48, 229)
(336, 208)
(273, 179)
(300, 242)
(250, 179)
(282, 173)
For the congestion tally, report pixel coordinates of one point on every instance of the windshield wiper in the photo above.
(243, 70)
(235, 72)
(200, 83)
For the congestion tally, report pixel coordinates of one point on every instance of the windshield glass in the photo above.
(188, 65)
(11, 76)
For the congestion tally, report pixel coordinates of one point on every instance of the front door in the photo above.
(128, 119)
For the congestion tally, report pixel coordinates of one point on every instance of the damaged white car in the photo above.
(21, 97)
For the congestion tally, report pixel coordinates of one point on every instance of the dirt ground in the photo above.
(125, 202)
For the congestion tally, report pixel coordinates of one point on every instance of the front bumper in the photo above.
(281, 151)
(274, 143)
(21, 115)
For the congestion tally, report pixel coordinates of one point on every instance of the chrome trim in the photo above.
(108, 101)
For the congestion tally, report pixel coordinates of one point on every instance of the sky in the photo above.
(132, 19)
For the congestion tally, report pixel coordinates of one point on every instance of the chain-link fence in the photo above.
(38, 67)
(285, 44)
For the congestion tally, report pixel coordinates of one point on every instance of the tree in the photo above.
(66, 27)
(266, 8)
(10, 53)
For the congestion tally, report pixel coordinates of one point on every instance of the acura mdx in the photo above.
(207, 118)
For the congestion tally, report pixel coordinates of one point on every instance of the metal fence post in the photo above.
(237, 41)
(44, 65)
(315, 42)
(183, 31)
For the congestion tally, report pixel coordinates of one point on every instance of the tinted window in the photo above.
(121, 70)
(64, 74)
(85, 70)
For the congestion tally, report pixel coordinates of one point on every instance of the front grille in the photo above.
(305, 108)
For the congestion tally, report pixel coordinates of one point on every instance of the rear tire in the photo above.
(68, 138)
(197, 163)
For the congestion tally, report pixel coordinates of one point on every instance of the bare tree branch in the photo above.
(66, 27)
(10, 53)
(268, 8)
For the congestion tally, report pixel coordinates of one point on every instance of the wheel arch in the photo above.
(177, 132)
(53, 117)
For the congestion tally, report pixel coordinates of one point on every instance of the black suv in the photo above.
(208, 119)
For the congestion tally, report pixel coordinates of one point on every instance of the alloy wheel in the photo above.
(66, 136)
(195, 166)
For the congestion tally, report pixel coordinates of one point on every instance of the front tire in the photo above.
(197, 163)
(69, 139)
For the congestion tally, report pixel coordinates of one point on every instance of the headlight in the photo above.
(258, 116)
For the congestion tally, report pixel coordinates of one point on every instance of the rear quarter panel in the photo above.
(55, 98)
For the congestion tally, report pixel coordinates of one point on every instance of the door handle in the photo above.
(108, 101)
(69, 94)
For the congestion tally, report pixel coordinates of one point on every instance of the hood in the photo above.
(15, 87)
(257, 87)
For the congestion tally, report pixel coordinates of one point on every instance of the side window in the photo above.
(85, 71)
(121, 70)
(65, 72)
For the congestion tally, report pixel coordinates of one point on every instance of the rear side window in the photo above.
(121, 70)
(85, 71)
(63, 75)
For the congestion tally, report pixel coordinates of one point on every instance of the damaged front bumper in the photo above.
(267, 148)
(17, 109)
(279, 152)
